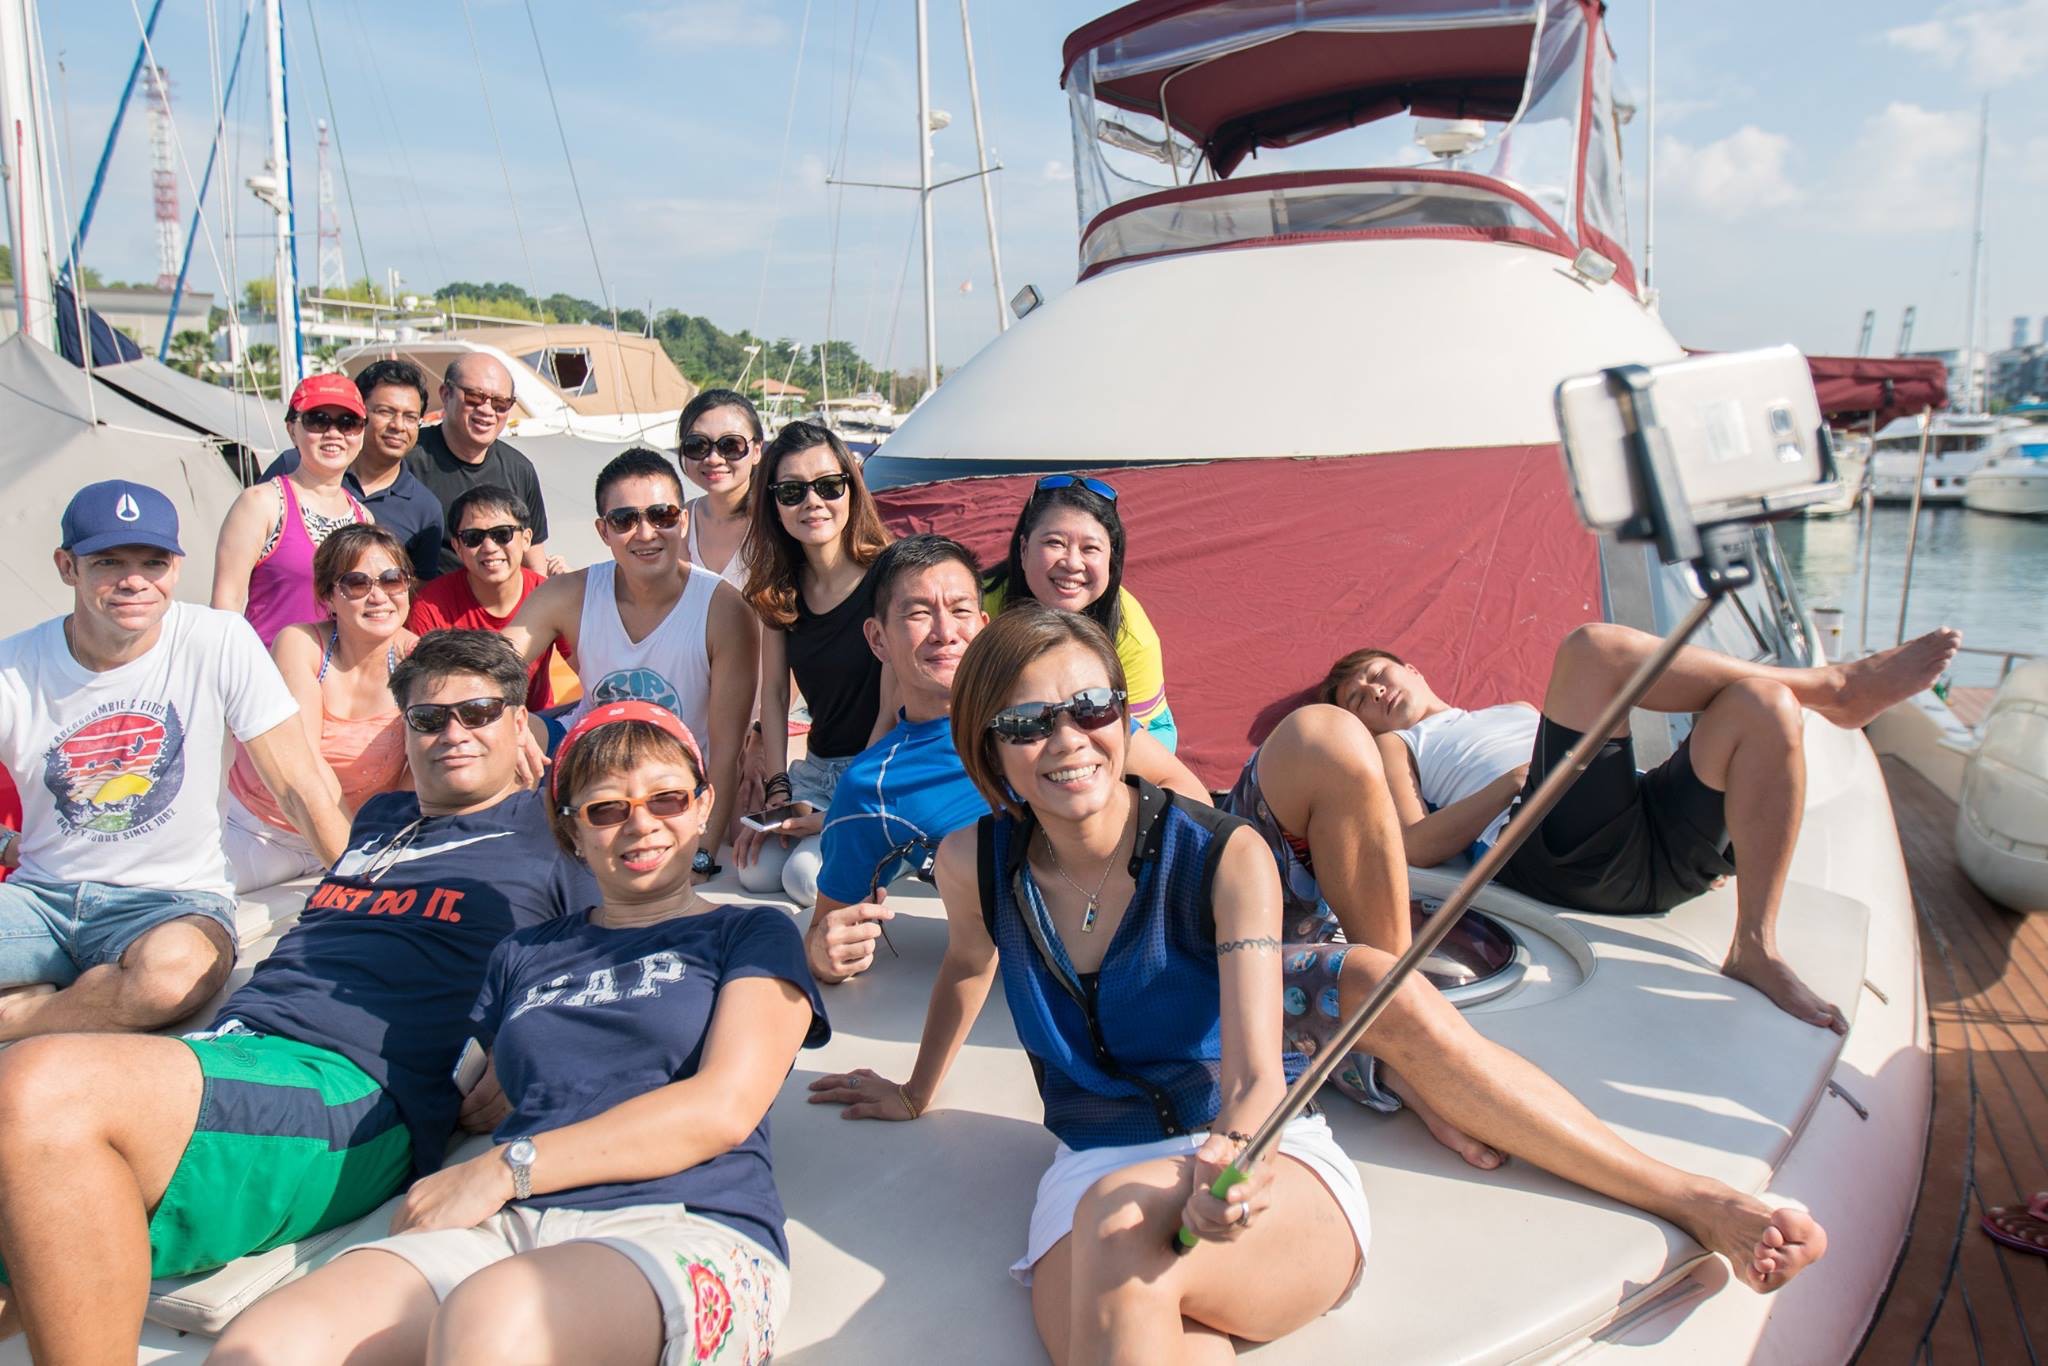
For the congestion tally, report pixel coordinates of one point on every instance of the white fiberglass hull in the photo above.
(2016, 493)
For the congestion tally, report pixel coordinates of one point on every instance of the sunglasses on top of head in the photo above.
(323, 420)
(660, 516)
(431, 718)
(1090, 709)
(473, 537)
(731, 446)
(356, 585)
(1067, 481)
(792, 492)
(612, 811)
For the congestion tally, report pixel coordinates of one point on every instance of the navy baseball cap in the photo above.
(117, 512)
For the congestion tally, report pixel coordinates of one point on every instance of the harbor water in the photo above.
(1983, 574)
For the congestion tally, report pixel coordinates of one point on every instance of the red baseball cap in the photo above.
(661, 718)
(327, 391)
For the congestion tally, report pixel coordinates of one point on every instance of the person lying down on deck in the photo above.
(644, 1039)
(324, 1082)
(1140, 942)
(1623, 842)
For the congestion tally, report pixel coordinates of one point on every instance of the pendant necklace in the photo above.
(1094, 897)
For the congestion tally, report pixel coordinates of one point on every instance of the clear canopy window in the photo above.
(1167, 95)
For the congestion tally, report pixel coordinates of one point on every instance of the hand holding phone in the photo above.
(774, 818)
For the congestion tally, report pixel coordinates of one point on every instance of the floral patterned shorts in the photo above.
(721, 1293)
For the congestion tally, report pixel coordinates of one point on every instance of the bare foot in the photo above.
(1867, 687)
(1474, 1152)
(1772, 976)
(1766, 1248)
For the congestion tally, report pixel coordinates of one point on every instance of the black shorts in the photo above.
(1621, 842)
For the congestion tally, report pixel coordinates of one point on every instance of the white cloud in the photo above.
(1732, 177)
(1056, 172)
(709, 24)
(1909, 170)
(1996, 44)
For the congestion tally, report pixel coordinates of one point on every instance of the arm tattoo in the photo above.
(1262, 943)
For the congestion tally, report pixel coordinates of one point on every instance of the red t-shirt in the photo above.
(447, 604)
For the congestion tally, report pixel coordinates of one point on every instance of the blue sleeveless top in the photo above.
(1133, 1053)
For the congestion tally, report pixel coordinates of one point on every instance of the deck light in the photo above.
(1025, 299)
(1592, 267)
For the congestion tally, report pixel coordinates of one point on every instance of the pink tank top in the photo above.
(281, 584)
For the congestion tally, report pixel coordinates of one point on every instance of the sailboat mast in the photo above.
(988, 198)
(1973, 397)
(284, 270)
(29, 227)
(924, 198)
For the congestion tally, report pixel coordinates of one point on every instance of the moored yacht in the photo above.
(2014, 476)
(1957, 444)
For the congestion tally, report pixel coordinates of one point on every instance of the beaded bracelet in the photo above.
(777, 783)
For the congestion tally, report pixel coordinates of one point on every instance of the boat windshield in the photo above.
(1503, 109)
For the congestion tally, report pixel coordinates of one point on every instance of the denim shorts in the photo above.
(53, 931)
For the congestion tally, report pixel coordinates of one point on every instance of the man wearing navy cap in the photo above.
(120, 913)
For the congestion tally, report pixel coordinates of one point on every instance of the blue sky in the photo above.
(1814, 160)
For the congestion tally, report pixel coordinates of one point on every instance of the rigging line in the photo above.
(547, 82)
(185, 165)
(796, 76)
(41, 88)
(206, 176)
(896, 314)
(421, 220)
(505, 168)
(334, 122)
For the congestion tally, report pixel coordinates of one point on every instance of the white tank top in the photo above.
(735, 571)
(1459, 752)
(669, 666)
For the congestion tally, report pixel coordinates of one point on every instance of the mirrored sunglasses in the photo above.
(431, 718)
(1090, 709)
(660, 516)
(1067, 481)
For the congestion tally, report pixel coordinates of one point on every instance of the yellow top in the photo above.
(1138, 649)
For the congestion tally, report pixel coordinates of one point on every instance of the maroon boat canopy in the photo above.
(1858, 388)
(1309, 83)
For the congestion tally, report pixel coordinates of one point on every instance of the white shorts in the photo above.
(1307, 1139)
(717, 1287)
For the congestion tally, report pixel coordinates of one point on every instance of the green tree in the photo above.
(191, 351)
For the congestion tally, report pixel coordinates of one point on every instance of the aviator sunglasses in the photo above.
(731, 446)
(483, 398)
(1090, 709)
(323, 420)
(660, 516)
(356, 585)
(473, 537)
(791, 492)
(1067, 481)
(431, 718)
(600, 815)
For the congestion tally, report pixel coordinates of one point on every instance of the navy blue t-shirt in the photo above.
(580, 1018)
(387, 958)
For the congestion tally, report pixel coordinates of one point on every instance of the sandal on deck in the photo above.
(2023, 1228)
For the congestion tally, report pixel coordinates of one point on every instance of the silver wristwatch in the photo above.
(519, 1156)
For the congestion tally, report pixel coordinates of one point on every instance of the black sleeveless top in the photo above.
(840, 677)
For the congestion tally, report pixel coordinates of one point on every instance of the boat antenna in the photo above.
(924, 196)
(1973, 401)
(1650, 165)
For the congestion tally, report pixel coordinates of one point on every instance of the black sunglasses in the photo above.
(431, 718)
(356, 585)
(475, 536)
(612, 811)
(322, 420)
(732, 446)
(660, 516)
(1067, 481)
(1090, 709)
(791, 492)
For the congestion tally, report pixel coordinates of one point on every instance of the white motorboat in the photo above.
(1852, 466)
(2014, 476)
(1957, 445)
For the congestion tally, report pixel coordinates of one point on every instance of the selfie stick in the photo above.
(1719, 555)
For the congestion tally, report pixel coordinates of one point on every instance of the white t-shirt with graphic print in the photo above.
(120, 772)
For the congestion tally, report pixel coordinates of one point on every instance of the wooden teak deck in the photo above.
(1958, 1296)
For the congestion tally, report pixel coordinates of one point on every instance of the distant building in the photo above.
(1963, 388)
(139, 313)
(2019, 374)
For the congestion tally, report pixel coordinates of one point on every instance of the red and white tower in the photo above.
(163, 179)
(333, 274)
